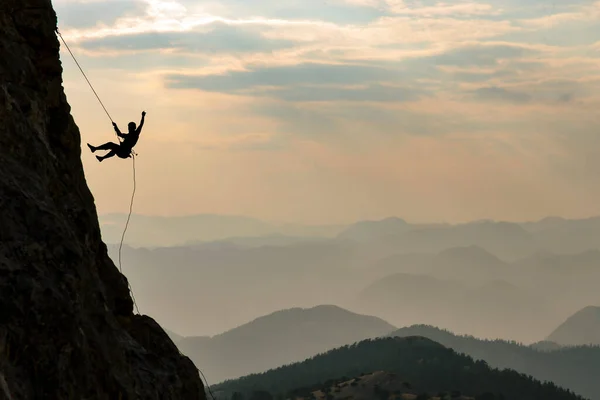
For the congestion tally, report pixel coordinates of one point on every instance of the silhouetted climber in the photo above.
(122, 150)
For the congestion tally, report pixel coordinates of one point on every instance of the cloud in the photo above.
(335, 11)
(495, 93)
(480, 55)
(561, 91)
(397, 30)
(214, 38)
(91, 13)
(506, 71)
(369, 93)
(281, 76)
(466, 9)
(476, 71)
(311, 73)
(477, 76)
(587, 11)
(303, 28)
(366, 123)
(562, 24)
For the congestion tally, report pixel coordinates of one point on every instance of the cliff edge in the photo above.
(67, 328)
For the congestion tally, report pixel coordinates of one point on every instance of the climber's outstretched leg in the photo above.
(113, 147)
(110, 154)
(106, 146)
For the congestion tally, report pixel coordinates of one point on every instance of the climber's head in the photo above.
(131, 127)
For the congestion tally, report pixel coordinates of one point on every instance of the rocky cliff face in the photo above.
(67, 329)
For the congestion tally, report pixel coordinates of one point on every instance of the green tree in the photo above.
(261, 395)
(237, 396)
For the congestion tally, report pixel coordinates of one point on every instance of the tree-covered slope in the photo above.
(420, 361)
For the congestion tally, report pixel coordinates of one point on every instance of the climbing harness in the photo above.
(133, 154)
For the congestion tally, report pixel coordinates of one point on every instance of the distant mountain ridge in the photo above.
(582, 328)
(280, 338)
(472, 262)
(373, 230)
(153, 231)
(265, 279)
(494, 307)
(472, 253)
(550, 285)
(501, 238)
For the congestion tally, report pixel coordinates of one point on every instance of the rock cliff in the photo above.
(67, 328)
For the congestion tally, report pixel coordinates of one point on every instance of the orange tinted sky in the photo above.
(332, 111)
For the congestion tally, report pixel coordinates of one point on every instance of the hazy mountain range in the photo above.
(157, 231)
(509, 240)
(248, 297)
(464, 289)
(497, 306)
(205, 290)
(280, 338)
(294, 335)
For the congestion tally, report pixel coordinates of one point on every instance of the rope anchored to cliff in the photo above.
(84, 75)
(122, 150)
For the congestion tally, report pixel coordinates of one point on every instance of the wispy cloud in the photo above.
(495, 93)
(80, 15)
(467, 9)
(216, 37)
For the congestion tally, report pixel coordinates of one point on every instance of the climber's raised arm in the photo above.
(139, 129)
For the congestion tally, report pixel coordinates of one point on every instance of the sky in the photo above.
(331, 111)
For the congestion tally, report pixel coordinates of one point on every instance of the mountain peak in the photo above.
(371, 230)
(472, 252)
(281, 338)
(582, 328)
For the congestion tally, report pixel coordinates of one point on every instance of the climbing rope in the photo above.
(83, 73)
(133, 154)
(205, 381)
(207, 385)
(125, 231)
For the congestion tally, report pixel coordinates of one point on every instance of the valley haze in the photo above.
(516, 281)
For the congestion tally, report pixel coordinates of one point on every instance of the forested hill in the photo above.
(574, 368)
(378, 385)
(424, 363)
